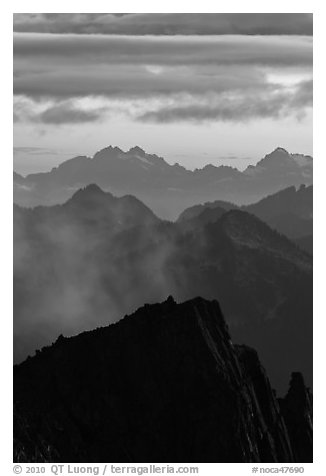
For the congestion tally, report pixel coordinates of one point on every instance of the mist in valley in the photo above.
(94, 259)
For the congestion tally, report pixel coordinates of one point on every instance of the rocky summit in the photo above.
(165, 384)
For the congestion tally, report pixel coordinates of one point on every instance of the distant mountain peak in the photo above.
(278, 153)
(136, 150)
(108, 151)
(111, 147)
(279, 149)
(277, 158)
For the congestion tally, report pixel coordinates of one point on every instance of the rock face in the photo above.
(165, 384)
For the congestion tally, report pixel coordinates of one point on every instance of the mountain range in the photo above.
(166, 189)
(289, 211)
(96, 257)
(165, 384)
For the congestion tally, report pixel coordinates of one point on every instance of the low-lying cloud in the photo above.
(63, 114)
(228, 104)
(66, 112)
(275, 104)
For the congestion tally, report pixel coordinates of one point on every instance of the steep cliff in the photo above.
(165, 384)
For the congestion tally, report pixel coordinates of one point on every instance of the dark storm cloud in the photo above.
(275, 104)
(167, 23)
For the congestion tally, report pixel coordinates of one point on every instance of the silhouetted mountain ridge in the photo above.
(165, 384)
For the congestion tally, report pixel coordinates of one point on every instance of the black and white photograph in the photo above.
(163, 239)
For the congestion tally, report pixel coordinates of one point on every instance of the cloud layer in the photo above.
(274, 104)
(166, 23)
(165, 77)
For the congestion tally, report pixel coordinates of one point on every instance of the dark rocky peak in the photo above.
(163, 384)
(297, 410)
(299, 397)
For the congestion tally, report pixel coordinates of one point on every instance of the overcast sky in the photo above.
(194, 88)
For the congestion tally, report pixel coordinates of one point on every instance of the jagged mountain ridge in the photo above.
(166, 189)
(81, 264)
(165, 384)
